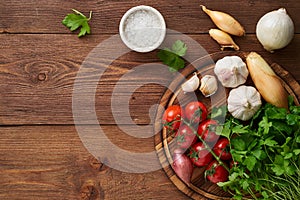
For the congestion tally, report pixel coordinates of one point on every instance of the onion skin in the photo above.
(266, 81)
(182, 166)
(223, 39)
(275, 30)
(225, 22)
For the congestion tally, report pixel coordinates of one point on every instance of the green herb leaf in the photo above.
(259, 154)
(265, 195)
(252, 144)
(233, 176)
(295, 110)
(225, 131)
(280, 165)
(223, 184)
(265, 125)
(240, 129)
(288, 156)
(238, 144)
(250, 162)
(76, 20)
(278, 170)
(270, 142)
(238, 197)
(290, 100)
(179, 48)
(245, 184)
(276, 113)
(217, 112)
(290, 170)
(282, 126)
(172, 57)
(238, 157)
(292, 119)
(298, 139)
(296, 152)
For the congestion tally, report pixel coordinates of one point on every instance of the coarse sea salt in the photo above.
(143, 28)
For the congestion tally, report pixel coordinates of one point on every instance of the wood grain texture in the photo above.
(37, 74)
(41, 155)
(50, 162)
(185, 16)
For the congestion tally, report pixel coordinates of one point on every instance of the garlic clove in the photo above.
(209, 85)
(223, 39)
(225, 22)
(192, 84)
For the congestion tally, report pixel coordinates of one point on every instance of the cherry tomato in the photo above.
(222, 149)
(195, 111)
(185, 137)
(200, 155)
(172, 117)
(216, 173)
(207, 130)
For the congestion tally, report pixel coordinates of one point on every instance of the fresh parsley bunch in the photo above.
(267, 153)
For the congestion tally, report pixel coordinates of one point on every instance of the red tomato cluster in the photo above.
(190, 122)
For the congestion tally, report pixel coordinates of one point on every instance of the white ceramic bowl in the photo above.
(142, 28)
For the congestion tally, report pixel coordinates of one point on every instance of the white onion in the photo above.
(275, 30)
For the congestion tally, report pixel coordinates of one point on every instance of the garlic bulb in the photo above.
(275, 30)
(223, 39)
(209, 85)
(192, 84)
(231, 71)
(243, 102)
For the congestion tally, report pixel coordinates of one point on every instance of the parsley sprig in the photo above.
(267, 151)
(75, 20)
(172, 57)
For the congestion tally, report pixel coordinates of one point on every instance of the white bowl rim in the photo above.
(148, 48)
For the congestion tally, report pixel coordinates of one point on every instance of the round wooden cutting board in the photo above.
(164, 145)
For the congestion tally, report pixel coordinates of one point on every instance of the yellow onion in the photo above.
(223, 39)
(266, 81)
(225, 22)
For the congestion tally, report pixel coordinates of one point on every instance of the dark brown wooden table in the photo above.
(41, 154)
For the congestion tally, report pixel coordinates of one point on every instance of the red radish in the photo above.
(182, 166)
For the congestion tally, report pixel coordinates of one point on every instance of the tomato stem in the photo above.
(205, 144)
